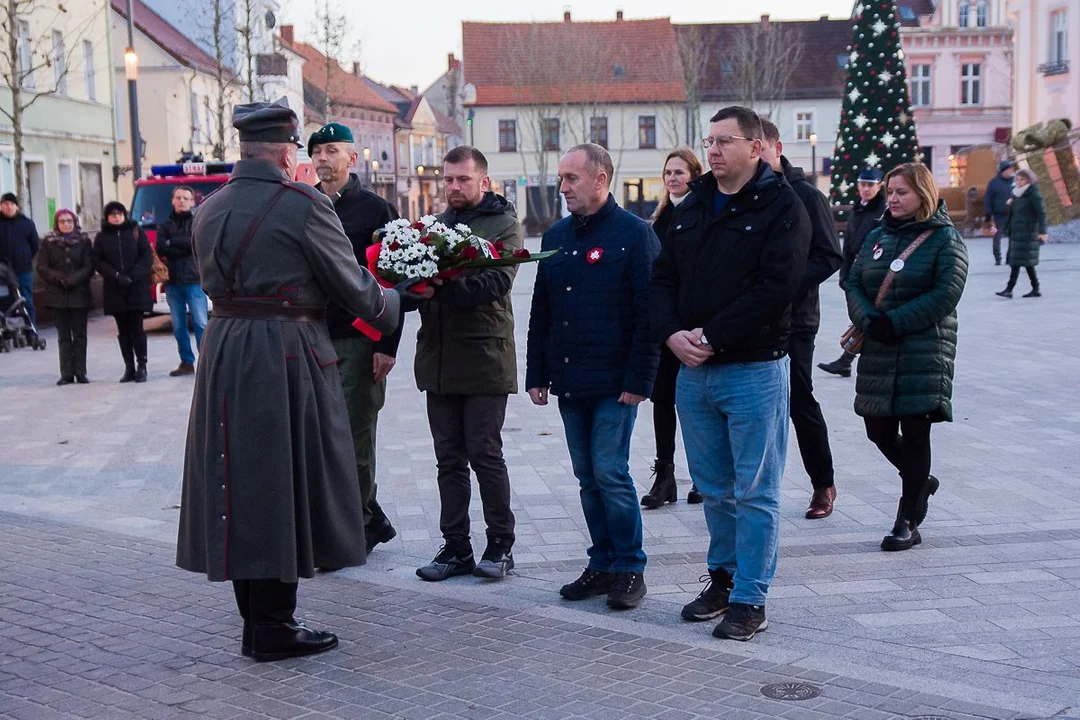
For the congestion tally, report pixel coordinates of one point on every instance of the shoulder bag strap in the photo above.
(249, 235)
(888, 281)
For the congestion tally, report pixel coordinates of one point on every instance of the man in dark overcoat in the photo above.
(270, 489)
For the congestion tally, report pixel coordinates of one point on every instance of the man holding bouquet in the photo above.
(362, 362)
(466, 364)
(589, 346)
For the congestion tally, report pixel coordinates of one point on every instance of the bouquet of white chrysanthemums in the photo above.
(427, 249)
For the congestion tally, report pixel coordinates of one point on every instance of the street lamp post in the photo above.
(420, 188)
(374, 174)
(813, 156)
(367, 166)
(131, 70)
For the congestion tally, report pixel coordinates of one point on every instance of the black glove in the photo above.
(882, 330)
(123, 280)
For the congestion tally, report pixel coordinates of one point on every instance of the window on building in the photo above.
(89, 73)
(842, 60)
(25, 52)
(508, 136)
(982, 12)
(402, 157)
(619, 70)
(646, 132)
(1059, 36)
(727, 68)
(964, 18)
(971, 84)
(920, 85)
(926, 157)
(907, 13)
(804, 125)
(550, 128)
(59, 62)
(598, 131)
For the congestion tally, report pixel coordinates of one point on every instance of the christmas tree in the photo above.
(877, 126)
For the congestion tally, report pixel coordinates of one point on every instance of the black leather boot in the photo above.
(140, 372)
(278, 641)
(932, 485)
(904, 535)
(128, 353)
(664, 489)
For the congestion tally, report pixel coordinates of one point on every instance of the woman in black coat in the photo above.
(123, 257)
(680, 167)
(1026, 229)
(65, 264)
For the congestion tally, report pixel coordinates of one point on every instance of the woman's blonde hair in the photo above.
(921, 180)
(696, 170)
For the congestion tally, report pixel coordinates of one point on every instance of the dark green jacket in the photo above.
(465, 345)
(913, 376)
(1027, 221)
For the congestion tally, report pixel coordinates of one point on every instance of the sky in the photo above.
(405, 42)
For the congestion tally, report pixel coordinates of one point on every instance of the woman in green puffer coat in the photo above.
(1026, 228)
(905, 373)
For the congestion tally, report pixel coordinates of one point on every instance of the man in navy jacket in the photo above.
(589, 345)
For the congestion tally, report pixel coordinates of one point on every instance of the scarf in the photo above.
(1019, 191)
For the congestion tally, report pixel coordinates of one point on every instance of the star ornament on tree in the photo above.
(888, 139)
(872, 160)
(879, 27)
(903, 118)
(884, 77)
(854, 94)
(845, 186)
(861, 120)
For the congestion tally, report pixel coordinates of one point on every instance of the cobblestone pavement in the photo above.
(982, 620)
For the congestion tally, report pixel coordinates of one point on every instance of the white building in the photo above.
(68, 152)
(1046, 61)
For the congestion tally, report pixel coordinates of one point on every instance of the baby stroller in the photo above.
(16, 328)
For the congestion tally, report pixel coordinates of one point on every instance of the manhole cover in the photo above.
(791, 691)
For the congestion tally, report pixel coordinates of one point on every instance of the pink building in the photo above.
(960, 69)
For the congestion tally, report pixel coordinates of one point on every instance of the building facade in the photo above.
(178, 95)
(67, 126)
(537, 89)
(959, 56)
(1047, 60)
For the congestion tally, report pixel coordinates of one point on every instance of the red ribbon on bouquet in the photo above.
(372, 255)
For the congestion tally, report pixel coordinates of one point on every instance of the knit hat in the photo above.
(9, 197)
(61, 213)
(114, 206)
(1004, 165)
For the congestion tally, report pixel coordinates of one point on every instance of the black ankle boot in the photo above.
(694, 497)
(904, 535)
(129, 374)
(664, 489)
(140, 372)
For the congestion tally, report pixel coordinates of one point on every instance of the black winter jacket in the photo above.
(173, 246)
(996, 202)
(361, 213)
(589, 325)
(65, 265)
(19, 243)
(124, 250)
(864, 218)
(825, 257)
(736, 274)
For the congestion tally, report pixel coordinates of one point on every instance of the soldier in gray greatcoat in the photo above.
(270, 489)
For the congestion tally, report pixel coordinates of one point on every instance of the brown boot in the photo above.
(821, 503)
(183, 369)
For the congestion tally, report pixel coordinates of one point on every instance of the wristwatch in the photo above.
(704, 341)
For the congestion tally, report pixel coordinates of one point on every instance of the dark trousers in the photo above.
(905, 442)
(265, 601)
(364, 398)
(132, 337)
(71, 340)
(665, 424)
(467, 431)
(999, 223)
(1014, 274)
(806, 415)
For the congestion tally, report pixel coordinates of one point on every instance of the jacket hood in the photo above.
(491, 204)
(792, 173)
(939, 219)
(106, 227)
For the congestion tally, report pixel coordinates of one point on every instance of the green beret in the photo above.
(330, 133)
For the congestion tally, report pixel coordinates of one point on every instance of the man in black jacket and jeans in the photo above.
(823, 261)
(19, 244)
(363, 363)
(183, 289)
(721, 299)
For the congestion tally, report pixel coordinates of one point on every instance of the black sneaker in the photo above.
(379, 530)
(496, 561)
(449, 562)
(627, 590)
(713, 600)
(590, 584)
(1033, 293)
(1004, 293)
(742, 622)
(837, 367)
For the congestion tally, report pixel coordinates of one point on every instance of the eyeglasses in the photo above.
(722, 140)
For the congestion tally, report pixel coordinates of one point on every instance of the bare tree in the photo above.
(331, 29)
(246, 30)
(23, 55)
(222, 43)
(762, 57)
(694, 59)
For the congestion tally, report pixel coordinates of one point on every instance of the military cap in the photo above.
(267, 122)
(330, 133)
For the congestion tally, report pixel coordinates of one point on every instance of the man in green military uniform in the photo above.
(466, 363)
(362, 363)
(270, 489)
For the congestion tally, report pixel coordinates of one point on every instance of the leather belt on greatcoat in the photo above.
(252, 310)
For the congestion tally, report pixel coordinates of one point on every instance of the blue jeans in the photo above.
(181, 298)
(26, 287)
(598, 434)
(735, 427)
